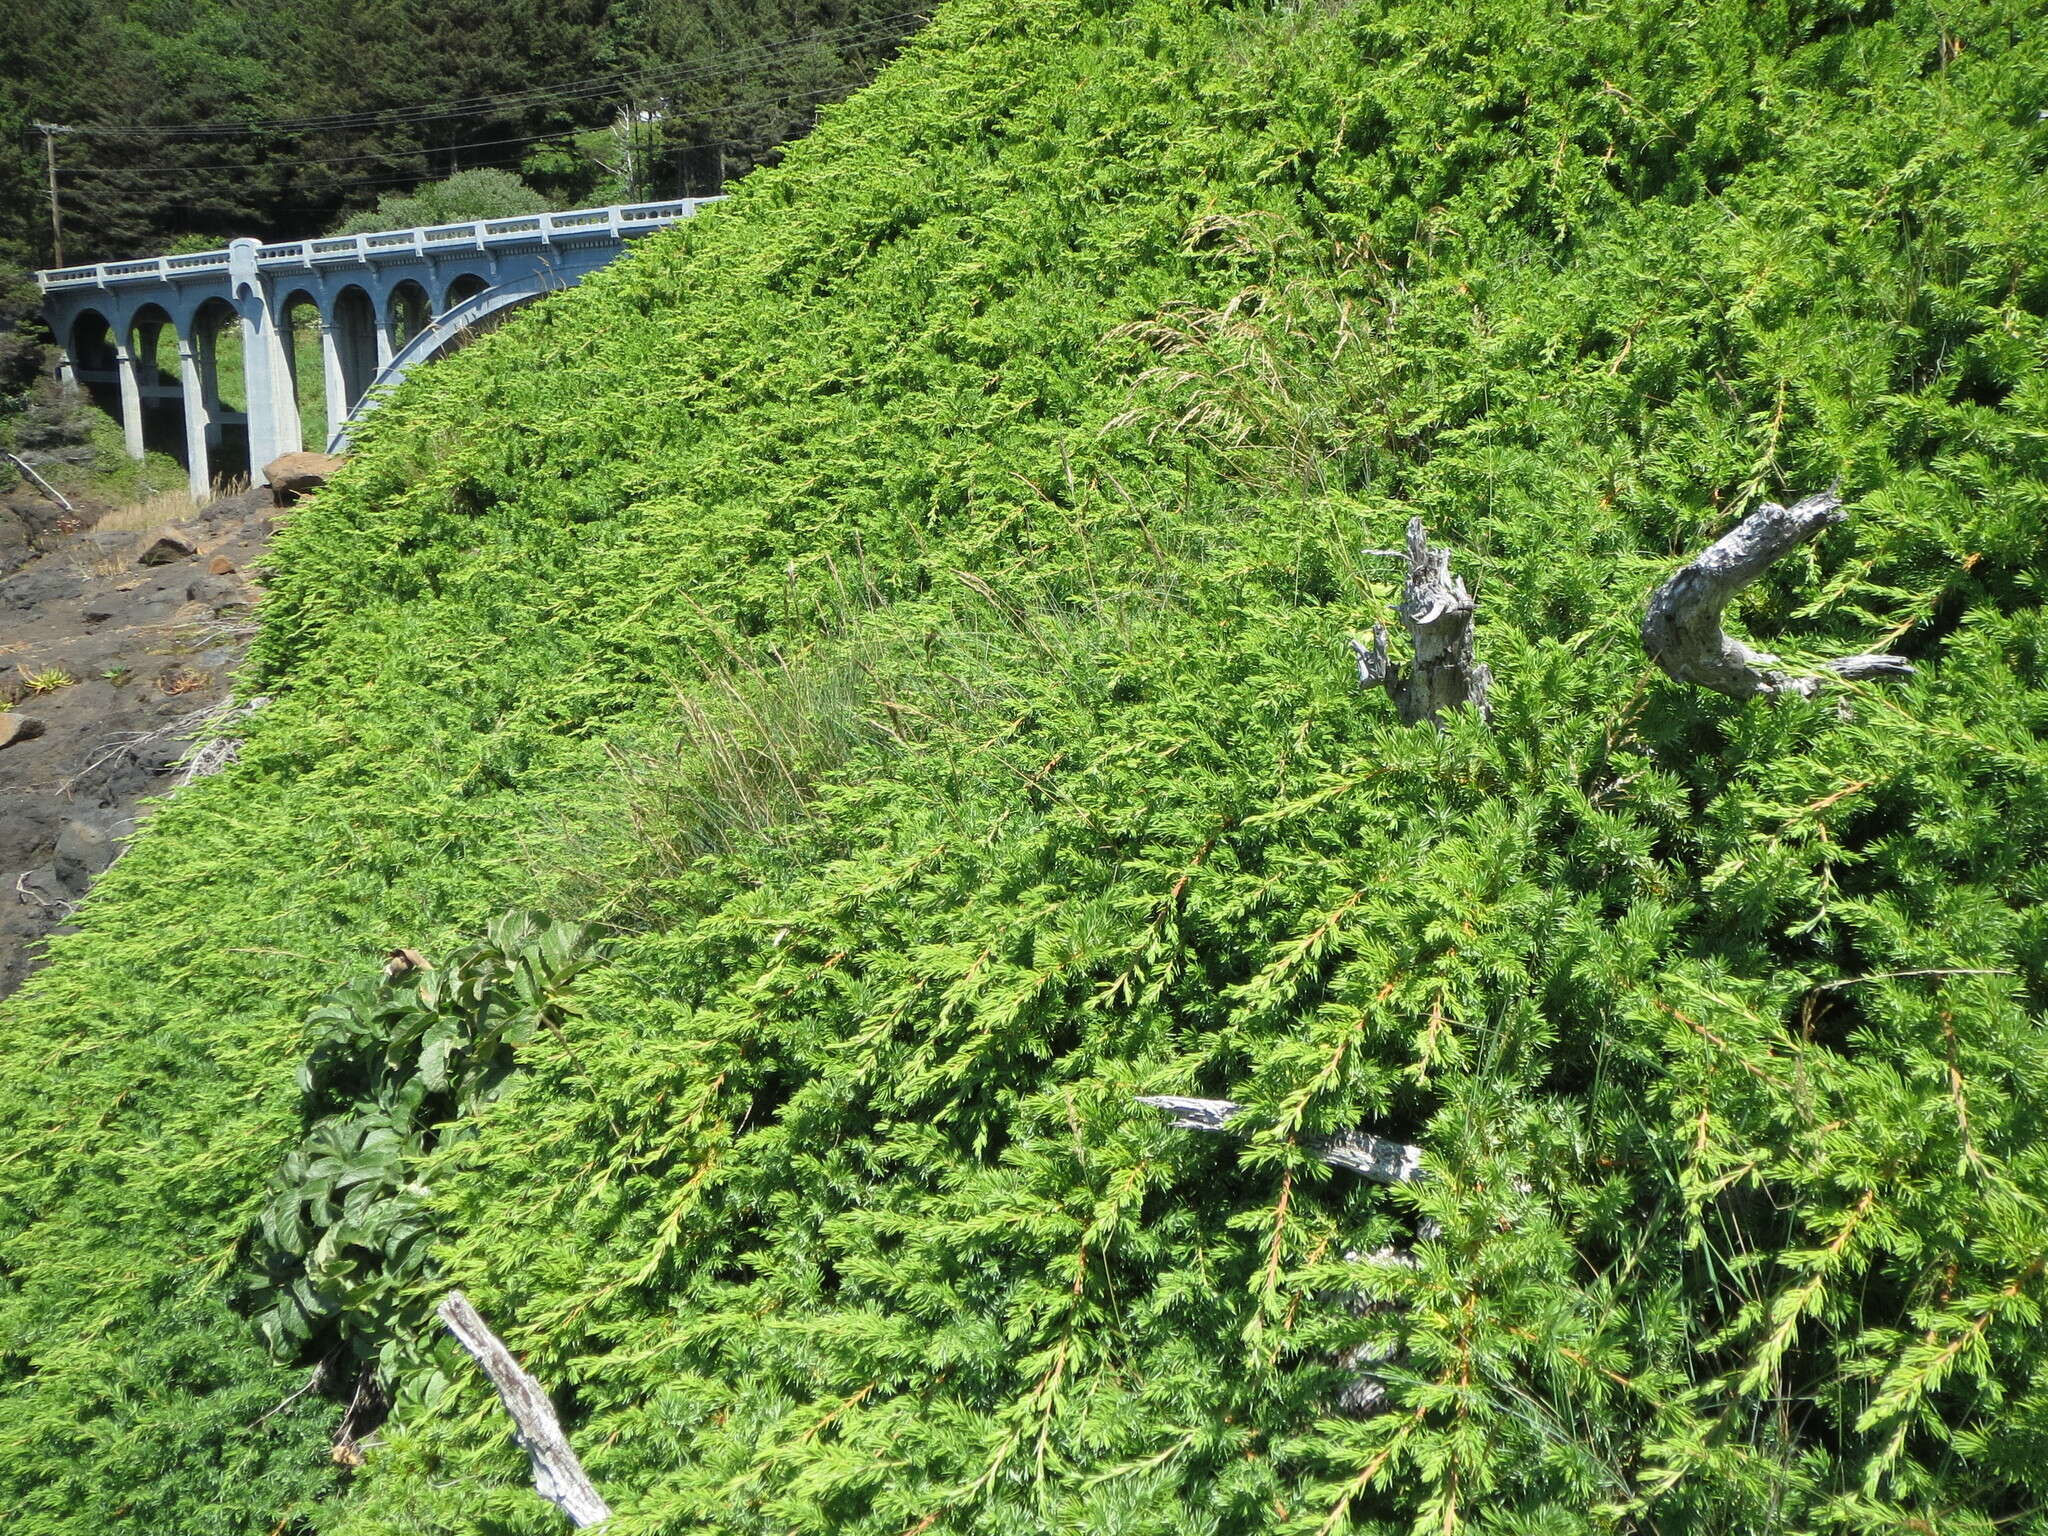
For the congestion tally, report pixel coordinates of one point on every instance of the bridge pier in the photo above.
(284, 393)
(131, 397)
(198, 419)
(256, 389)
(334, 382)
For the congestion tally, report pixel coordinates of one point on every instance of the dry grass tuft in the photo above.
(179, 506)
(179, 680)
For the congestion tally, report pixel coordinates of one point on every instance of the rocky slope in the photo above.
(118, 647)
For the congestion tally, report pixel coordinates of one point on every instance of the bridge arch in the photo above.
(407, 312)
(90, 345)
(302, 345)
(95, 361)
(216, 399)
(147, 326)
(352, 324)
(152, 339)
(466, 286)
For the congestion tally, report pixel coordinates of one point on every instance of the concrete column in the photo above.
(284, 395)
(252, 304)
(198, 470)
(384, 348)
(336, 382)
(205, 346)
(131, 399)
(256, 389)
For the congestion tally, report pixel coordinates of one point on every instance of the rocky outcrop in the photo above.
(164, 546)
(131, 662)
(299, 474)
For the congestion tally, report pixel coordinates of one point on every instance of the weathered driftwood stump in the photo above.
(558, 1476)
(1682, 625)
(1370, 1157)
(1437, 611)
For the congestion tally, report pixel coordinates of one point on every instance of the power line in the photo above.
(596, 85)
(555, 134)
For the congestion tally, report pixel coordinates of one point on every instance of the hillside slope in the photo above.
(905, 609)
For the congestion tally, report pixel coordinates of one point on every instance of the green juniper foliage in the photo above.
(905, 609)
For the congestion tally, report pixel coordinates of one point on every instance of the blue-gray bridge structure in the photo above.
(382, 303)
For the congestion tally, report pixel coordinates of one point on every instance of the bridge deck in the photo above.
(581, 224)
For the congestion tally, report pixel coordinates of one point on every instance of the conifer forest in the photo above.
(1238, 766)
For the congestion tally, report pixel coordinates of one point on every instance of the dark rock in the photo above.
(42, 887)
(250, 503)
(40, 584)
(15, 548)
(28, 832)
(164, 546)
(109, 542)
(17, 728)
(77, 456)
(217, 592)
(84, 849)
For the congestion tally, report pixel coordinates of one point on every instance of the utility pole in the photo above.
(49, 131)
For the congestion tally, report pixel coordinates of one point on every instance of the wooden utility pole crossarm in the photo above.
(558, 1476)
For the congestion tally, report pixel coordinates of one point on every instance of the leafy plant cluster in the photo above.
(399, 1066)
(905, 608)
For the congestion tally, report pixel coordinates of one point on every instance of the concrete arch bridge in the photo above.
(378, 304)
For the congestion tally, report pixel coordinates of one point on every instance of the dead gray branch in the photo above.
(1437, 612)
(1682, 625)
(1360, 1152)
(1371, 1157)
(558, 1476)
(41, 484)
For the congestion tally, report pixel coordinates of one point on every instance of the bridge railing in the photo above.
(398, 244)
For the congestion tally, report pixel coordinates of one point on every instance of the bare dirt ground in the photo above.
(116, 647)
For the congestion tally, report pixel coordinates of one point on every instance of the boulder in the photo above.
(83, 851)
(18, 728)
(221, 566)
(220, 592)
(164, 546)
(298, 474)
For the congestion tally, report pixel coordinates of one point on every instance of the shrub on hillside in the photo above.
(905, 608)
(467, 195)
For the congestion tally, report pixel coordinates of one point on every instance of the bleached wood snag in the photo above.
(1682, 625)
(558, 1476)
(1360, 1152)
(1437, 612)
(1370, 1157)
